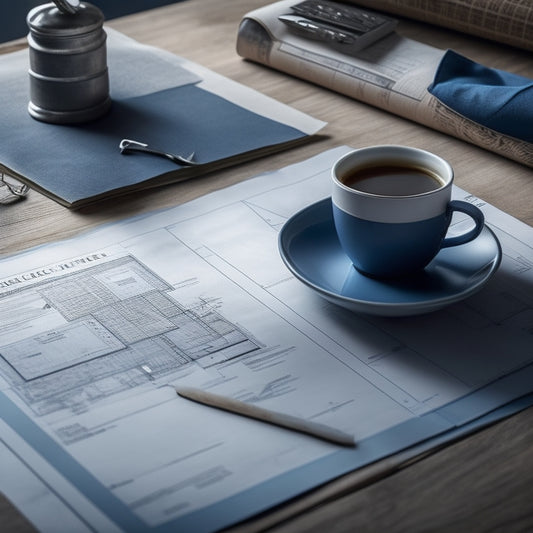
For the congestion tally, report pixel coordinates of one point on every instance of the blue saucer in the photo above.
(309, 247)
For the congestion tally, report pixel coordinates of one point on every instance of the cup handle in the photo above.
(472, 211)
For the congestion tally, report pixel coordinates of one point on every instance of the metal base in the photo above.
(69, 117)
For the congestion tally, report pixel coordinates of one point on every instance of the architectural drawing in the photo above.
(121, 327)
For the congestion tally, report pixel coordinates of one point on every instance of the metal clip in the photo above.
(128, 146)
(16, 191)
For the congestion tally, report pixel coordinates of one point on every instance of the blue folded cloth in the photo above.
(493, 98)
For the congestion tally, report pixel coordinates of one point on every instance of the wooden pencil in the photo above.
(294, 423)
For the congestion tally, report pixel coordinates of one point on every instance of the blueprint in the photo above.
(95, 332)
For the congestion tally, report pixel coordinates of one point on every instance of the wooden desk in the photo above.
(484, 482)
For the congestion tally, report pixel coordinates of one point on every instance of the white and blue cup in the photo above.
(392, 208)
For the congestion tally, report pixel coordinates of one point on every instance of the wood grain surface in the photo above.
(481, 483)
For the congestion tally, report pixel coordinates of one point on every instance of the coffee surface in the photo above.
(392, 180)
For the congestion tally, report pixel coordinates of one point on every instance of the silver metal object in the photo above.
(127, 146)
(15, 190)
(69, 81)
(68, 6)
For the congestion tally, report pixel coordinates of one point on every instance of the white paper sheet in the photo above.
(95, 330)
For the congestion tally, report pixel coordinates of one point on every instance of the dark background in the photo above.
(13, 13)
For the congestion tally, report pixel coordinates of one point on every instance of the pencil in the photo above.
(315, 429)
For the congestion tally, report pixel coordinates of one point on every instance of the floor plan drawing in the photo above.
(121, 327)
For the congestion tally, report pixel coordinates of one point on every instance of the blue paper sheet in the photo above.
(156, 99)
(79, 162)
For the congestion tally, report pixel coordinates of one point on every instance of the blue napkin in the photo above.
(493, 98)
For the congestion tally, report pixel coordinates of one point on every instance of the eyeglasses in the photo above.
(11, 190)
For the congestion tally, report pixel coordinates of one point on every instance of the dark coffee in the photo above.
(392, 180)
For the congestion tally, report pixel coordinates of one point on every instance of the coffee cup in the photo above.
(392, 209)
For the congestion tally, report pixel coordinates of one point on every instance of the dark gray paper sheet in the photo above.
(79, 162)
